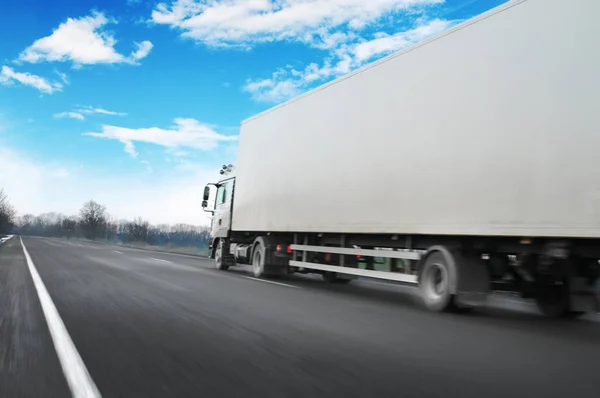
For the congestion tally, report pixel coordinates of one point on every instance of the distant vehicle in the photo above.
(462, 164)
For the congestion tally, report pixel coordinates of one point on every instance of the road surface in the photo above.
(146, 324)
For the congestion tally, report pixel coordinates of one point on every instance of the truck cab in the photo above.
(222, 207)
(229, 249)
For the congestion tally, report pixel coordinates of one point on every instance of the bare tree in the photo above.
(138, 230)
(7, 213)
(93, 219)
(94, 222)
(112, 228)
(68, 225)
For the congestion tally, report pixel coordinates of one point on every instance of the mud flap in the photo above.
(275, 265)
(473, 280)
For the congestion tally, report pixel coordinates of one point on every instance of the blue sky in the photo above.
(136, 103)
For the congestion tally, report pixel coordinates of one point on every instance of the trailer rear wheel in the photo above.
(258, 260)
(553, 302)
(434, 283)
(574, 314)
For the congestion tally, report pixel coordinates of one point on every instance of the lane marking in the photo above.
(78, 378)
(7, 237)
(266, 281)
(161, 260)
(2, 240)
(116, 251)
(80, 245)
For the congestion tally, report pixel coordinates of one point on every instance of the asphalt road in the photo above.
(148, 324)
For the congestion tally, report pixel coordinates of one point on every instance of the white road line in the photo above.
(78, 378)
(266, 281)
(116, 251)
(162, 261)
(6, 238)
(80, 245)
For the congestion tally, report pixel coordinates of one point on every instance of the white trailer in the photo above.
(467, 159)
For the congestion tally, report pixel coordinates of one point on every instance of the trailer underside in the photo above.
(452, 272)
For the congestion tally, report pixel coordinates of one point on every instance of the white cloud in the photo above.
(72, 115)
(245, 22)
(129, 148)
(186, 133)
(79, 113)
(275, 89)
(82, 41)
(148, 165)
(385, 44)
(142, 50)
(60, 172)
(51, 187)
(16, 168)
(89, 110)
(63, 77)
(288, 82)
(333, 40)
(343, 28)
(9, 76)
(178, 153)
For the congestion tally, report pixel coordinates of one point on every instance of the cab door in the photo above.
(223, 207)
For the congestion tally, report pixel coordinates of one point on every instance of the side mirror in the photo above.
(204, 204)
(206, 193)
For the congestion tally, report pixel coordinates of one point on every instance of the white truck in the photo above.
(462, 164)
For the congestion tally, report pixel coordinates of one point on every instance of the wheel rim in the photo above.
(257, 263)
(436, 283)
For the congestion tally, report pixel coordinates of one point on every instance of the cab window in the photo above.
(222, 194)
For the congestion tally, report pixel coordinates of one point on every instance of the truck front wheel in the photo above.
(222, 260)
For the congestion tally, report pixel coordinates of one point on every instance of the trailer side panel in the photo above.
(492, 128)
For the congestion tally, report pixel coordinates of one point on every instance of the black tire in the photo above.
(223, 259)
(574, 314)
(258, 261)
(331, 277)
(553, 301)
(460, 309)
(434, 284)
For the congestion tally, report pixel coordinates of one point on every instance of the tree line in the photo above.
(8, 214)
(95, 223)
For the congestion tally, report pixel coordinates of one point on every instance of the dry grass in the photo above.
(189, 250)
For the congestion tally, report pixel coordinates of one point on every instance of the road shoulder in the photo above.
(27, 352)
